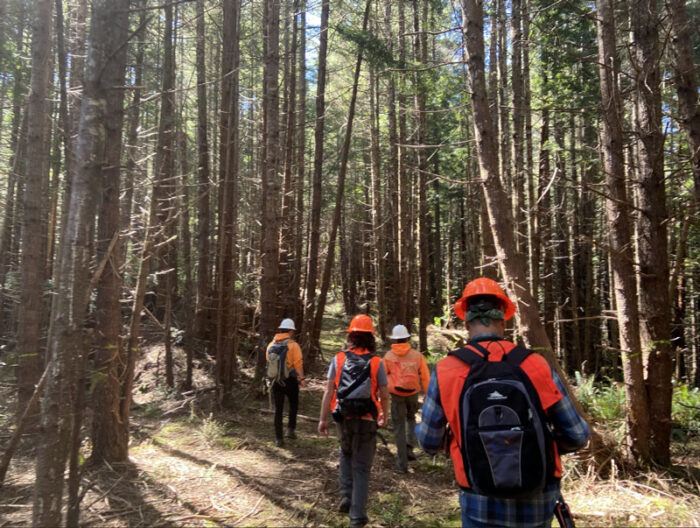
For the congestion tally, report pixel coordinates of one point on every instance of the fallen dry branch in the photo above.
(10, 451)
(268, 411)
(251, 512)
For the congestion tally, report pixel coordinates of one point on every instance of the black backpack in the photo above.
(507, 446)
(354, 392)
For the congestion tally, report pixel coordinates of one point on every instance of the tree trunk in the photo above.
(287, 242)
(421, 56)
(518, 87)
(203, 187)
(378, 213)
(269, 245)
(187, 294)
(164, 187)
(315, 213)
(686, 83)
(30, 357)
(226, 338)
(620, 233)
(652, 238)
(405, 307)
(66, 343)
(108, 355)
(392, 170)
(298, 312)
(342, 171)
(132, 138)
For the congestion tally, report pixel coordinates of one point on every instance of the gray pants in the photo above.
(403, 413)
(358, 442)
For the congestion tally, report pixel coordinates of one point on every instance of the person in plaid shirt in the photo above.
(485, 319)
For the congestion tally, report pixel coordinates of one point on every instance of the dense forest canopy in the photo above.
(212, 166)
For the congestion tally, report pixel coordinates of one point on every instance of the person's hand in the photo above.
(323, 427)
(381, 422)
(303, 383)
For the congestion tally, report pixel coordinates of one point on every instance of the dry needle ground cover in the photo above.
(192, 464)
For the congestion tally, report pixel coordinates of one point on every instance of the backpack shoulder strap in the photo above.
(476, 345)
(467, 355)
(517, 355)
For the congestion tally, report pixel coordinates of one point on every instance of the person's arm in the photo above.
(570, 431)
(383, 388)
(424, 375)
(326, 408)
(297, 362)
(384, 399)
(431, 430)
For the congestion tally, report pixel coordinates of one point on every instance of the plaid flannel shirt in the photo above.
(570, 432)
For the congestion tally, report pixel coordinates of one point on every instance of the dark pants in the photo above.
(290, 389)
(403, 413)
(358, 442)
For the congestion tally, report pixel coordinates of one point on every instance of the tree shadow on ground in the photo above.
(277, 494)
(121, 492)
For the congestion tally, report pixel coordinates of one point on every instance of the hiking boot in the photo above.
(344, 506)
(410, 455)
(279, 442)
(291, 434)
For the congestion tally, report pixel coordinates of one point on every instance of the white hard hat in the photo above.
(399, 332)
(287, 324)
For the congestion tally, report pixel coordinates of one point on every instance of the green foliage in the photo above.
(211, 430)
(390, 510)
(685, 409)
(604, 401)
(373, 48)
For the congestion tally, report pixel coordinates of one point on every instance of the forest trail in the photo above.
(193, 467)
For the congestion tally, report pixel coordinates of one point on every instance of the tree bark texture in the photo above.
(30, 358)
(66, 342)
(342, 172)
(315, 212)
(652, 238)
(203, 185)
(226, 341)
(618, 215)
(512, 262)
(269, 246)
(108, 355)
(686, 83)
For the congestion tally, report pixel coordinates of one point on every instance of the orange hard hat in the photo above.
(484, 286)
(361, 323)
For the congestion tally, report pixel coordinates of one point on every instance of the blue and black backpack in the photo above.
(507, 446)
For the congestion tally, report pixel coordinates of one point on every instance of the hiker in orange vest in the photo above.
(408, 373)
(285, 371)
(357, 395)
(504, 416)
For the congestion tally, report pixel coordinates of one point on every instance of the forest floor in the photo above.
(192, 465)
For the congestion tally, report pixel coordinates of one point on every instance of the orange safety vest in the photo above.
(403, 372)
(374, 364)
(451, 374)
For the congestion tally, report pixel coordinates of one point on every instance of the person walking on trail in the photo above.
(504, 416)
(356, 394)
(285, 372)
(408, 374)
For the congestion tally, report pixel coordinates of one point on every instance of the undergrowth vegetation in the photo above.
(605, 402)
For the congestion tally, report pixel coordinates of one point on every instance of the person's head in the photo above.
(400, 334)
(361, 332)
(287, 326)
(484, 307)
